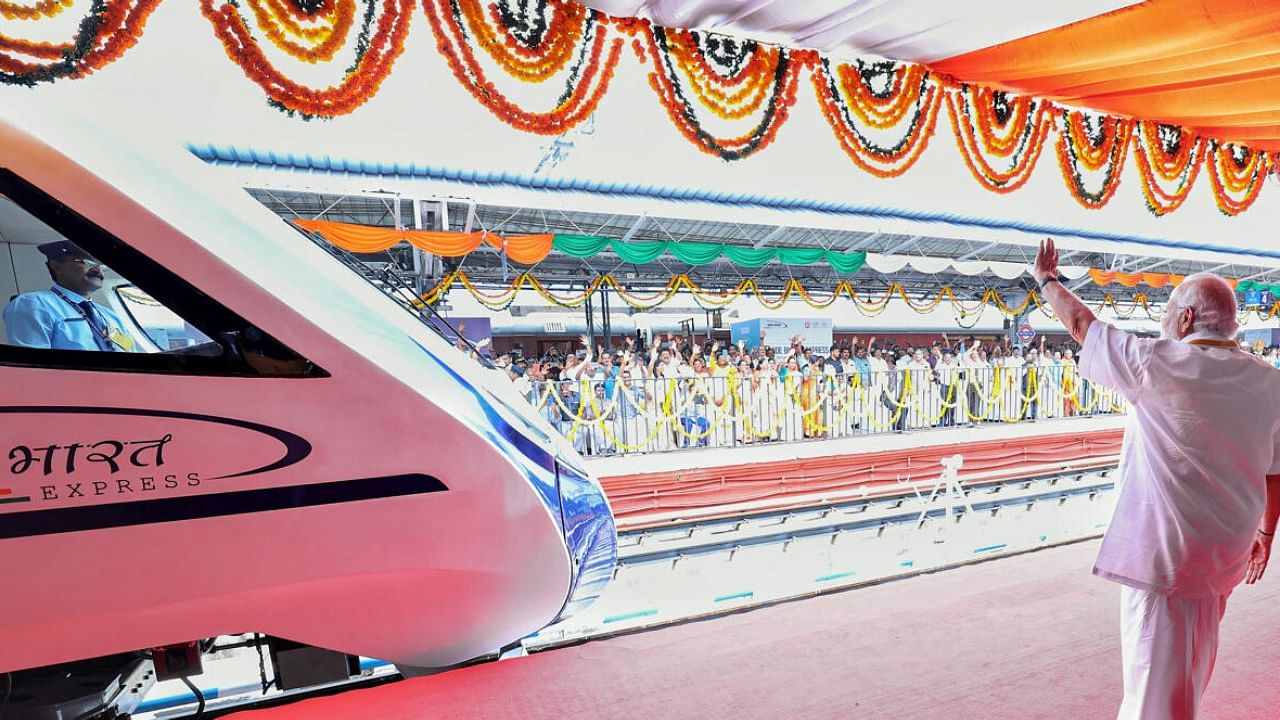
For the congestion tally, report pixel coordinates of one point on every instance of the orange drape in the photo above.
(1212, 65)
(524, 249)
(1155, 280)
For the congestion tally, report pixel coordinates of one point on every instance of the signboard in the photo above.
(1026, 333)
(815, 333)
(1252, 298)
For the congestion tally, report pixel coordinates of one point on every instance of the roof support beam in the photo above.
(864, 242)
(903, 245)
(1115, 261)
(1149, 268)
(635, 227)
(1261, 274)
(471, 217)
(975, 253)
(773, 235)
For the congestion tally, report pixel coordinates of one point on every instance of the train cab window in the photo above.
(77, 297)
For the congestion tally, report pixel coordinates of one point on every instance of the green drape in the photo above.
(698, 253)
(1247, 285)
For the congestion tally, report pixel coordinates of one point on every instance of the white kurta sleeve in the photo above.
(1115, 358)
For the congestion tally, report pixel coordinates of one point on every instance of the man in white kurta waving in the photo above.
(1199, 487)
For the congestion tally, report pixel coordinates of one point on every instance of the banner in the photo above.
(777, 333)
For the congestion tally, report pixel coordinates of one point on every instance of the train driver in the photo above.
(64, 317)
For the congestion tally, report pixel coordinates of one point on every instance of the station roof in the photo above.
(486, 266)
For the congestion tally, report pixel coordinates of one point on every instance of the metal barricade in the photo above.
(606, 416)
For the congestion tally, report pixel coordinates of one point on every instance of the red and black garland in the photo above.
(534, 42)
(380, 41)
(732, 78)
(866, 99)
(1236, 173)
(992, 126)
(1166, 154)
(107, 31)
(1095, 144)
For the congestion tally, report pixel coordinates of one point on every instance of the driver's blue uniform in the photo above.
(48, 319)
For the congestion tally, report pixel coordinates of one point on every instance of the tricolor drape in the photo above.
(532, 249)
(524, 249)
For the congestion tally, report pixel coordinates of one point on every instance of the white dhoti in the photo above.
(1168, 646)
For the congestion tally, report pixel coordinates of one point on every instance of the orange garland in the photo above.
(1236, 184)
(761, 81)
(979, 133)
(731, 98)
(893, 105)
(1089, 155)
(834, 99)
(586, 85)
(271, 17)
(118, 29)
(529, 64)
(1000, 137)
(1076, 148)
(42, 9)
(359, 84)
(1155, 164)
(653, 44)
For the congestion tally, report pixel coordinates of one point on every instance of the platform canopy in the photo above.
(922, 265)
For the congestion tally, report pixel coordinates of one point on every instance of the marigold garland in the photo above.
(377, 47)
(1097, 149)
(738, 91)
(1169, 154)
(846, 101)
(524, 44)
(572, 28)
(881, 107)
(537, 41)
(42, 9)
(989, 123)
(868, 306)
(279, 19)
(1236, 174)
(107, 31)
(671, 60)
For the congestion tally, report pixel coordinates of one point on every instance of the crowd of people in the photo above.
(680, 393)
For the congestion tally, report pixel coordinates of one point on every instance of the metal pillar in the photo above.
(589, 307)
(603, 292)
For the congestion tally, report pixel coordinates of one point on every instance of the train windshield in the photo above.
(386, 272)
(75, 296)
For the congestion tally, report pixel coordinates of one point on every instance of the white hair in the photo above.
(1213, 301)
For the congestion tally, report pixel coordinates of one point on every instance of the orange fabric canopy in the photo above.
(524, 249)
(1155, 280)
(1212, 65)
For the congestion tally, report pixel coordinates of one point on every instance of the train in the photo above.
(286, 445)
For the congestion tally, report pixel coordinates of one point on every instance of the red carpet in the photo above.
(1033, 636)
